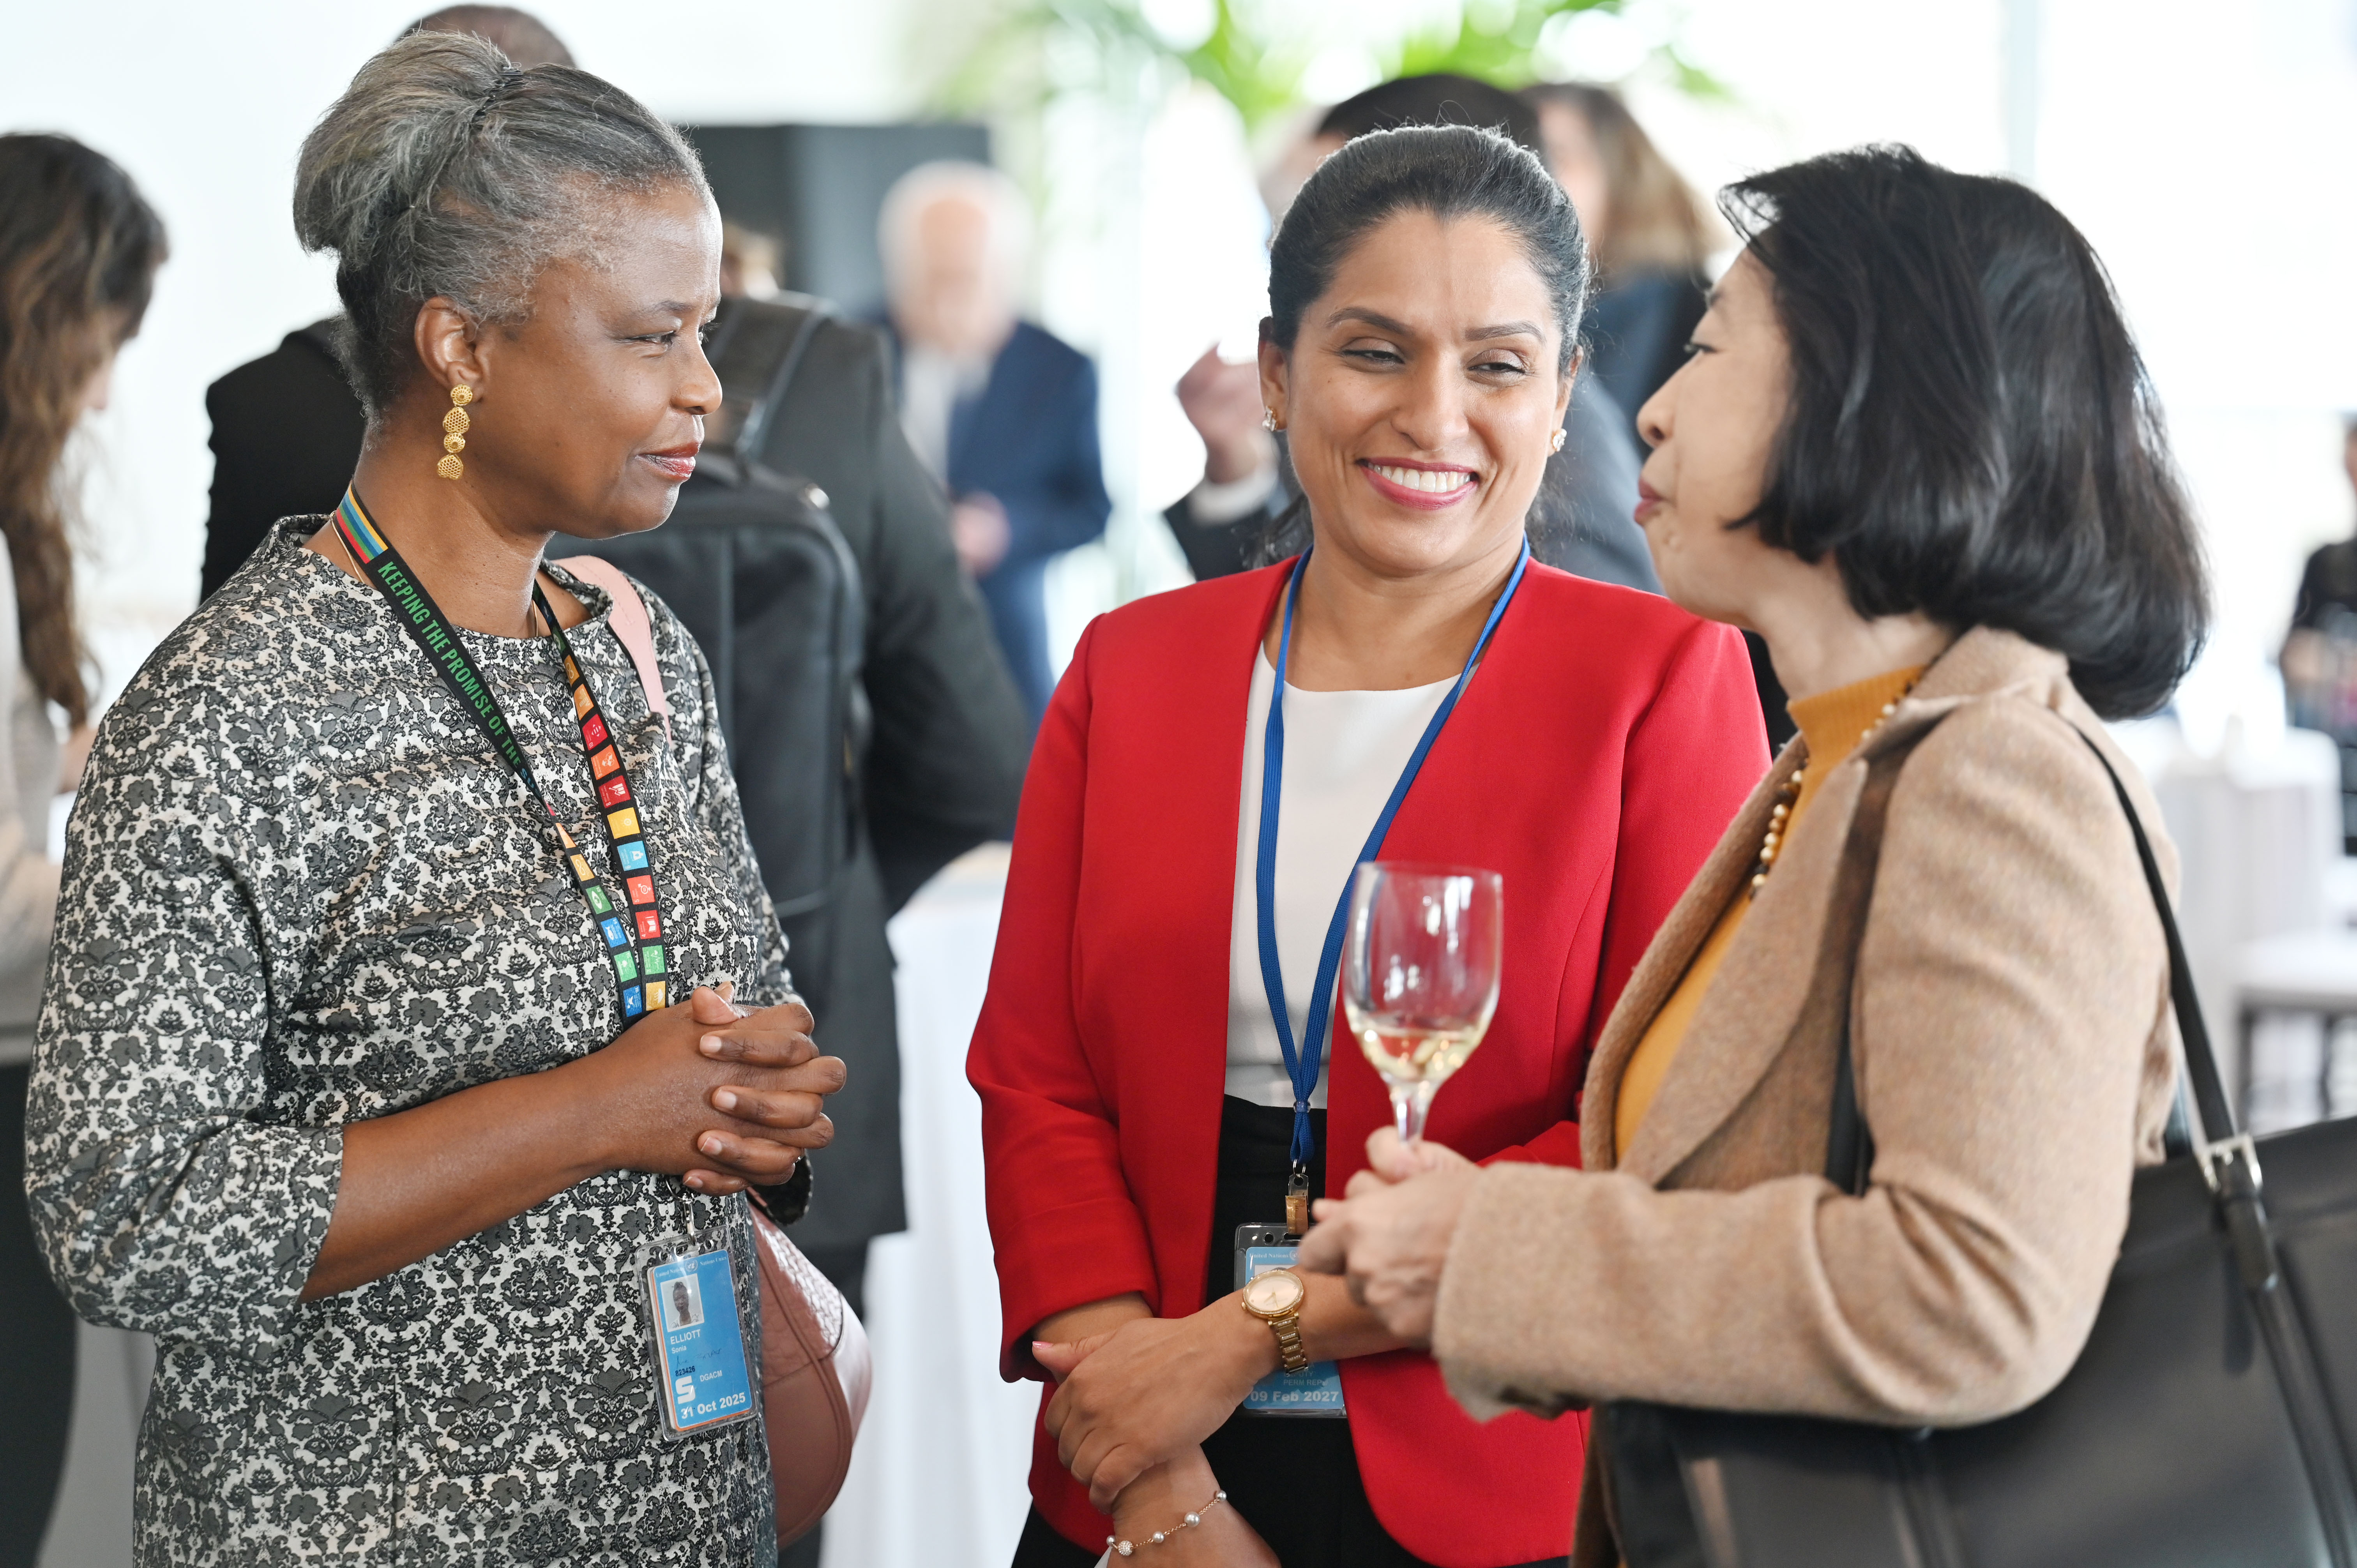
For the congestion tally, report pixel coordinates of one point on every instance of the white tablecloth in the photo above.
(937, 1479)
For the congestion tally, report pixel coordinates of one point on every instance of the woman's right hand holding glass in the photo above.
(722, 1097)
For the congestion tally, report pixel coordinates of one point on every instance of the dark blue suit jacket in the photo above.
(1030, 440)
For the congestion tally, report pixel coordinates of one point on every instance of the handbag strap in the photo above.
(629, 623)
(755, 430)
(1849, 1144)
(2219, 1124)
(2229, 1160)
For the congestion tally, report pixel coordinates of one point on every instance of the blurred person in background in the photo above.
(1003, 412)
(286, 426)
(78, 250)
(1582, 521)
(945, 736)
(2319, 655)
(940, 751)
(1653, 234)
(1916, 448)
(352, 1085)
(1216, 761)
(751, 263)
(1651, 230)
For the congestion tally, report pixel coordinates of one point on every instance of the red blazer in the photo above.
(1595, 758)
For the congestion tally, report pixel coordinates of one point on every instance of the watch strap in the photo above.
(1287, 1331)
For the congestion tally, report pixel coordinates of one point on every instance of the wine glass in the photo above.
(1420, 974)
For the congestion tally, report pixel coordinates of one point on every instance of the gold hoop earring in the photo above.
(454, 432)
(1554, 442)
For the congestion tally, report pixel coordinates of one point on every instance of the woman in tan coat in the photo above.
(1915, 450)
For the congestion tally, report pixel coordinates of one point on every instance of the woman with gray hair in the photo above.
(357, 1085)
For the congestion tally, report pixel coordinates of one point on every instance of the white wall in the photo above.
(205, 106)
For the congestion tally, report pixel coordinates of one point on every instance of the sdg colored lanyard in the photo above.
(1305, 1064)
(633, 931)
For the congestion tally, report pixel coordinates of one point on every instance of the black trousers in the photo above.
(37, 1353)
(1294, 1479)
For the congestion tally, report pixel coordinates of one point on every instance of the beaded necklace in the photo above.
(1789, 797)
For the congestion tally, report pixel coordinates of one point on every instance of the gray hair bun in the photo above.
(445, 170)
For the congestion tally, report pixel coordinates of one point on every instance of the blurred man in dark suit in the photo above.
(1004, 411)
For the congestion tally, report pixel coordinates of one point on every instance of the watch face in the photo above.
(1275, 1294)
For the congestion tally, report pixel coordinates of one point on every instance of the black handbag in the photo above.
(2207, 1423)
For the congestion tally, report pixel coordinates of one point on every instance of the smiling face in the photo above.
(588, 414)
(1713, 429)
(1421, 395)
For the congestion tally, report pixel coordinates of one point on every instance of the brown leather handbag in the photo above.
(815, 1380)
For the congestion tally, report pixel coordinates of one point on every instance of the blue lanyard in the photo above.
(1303, 1065)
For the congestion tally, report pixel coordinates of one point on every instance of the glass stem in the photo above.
(1410, 1104)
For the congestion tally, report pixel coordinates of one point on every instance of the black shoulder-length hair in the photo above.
(1971, 432)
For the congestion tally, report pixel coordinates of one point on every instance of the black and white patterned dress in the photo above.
(300, 891)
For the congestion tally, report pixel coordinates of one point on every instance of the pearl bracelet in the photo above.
(1118, 1548)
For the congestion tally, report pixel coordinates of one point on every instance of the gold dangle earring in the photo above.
(454, 432)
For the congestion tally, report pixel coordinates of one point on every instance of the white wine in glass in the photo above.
(1420, 974)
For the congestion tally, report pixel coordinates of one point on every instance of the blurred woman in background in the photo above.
(1652, 236)
(78, 250)
(1651, 232)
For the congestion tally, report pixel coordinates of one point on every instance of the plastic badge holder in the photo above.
(1317, 1392)
(695, 1339)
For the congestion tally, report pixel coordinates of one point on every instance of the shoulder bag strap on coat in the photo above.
(1849, 1145)
(2226, 1151)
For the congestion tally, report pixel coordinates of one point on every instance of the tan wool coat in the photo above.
(2015, 1059)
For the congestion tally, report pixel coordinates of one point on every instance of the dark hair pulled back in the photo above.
(1971, 432)
(1449, 171)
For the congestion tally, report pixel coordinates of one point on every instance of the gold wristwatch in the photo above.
(1276, 1299)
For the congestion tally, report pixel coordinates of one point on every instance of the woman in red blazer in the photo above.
(1426, 291)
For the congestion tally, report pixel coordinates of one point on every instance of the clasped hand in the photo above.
(1149, 1391)
(723, 1097)
(1389, 1235)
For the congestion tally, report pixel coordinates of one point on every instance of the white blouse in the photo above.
(1343, 752)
